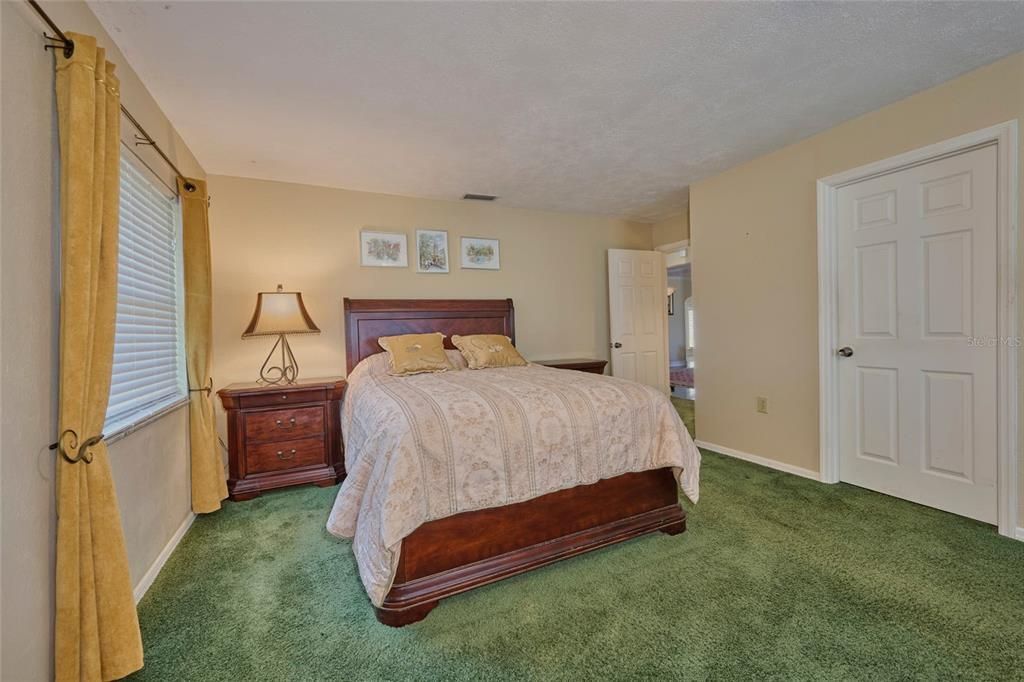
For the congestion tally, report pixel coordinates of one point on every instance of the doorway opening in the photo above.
(682, 352)
(680, 332)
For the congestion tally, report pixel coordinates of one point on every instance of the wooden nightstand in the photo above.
(580, 364)
(283, 435)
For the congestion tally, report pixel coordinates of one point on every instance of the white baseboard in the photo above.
(758, 459)
(161, 559)
(781, 466)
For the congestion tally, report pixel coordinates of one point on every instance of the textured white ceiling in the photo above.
(596, 107)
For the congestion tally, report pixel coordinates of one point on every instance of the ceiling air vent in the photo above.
(479, 197)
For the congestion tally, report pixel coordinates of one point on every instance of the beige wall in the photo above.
(553, 265)
(150, 466)
(672, 229)
(755, 260)
(151, 471)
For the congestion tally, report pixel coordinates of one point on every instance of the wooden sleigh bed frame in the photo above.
(451, 555)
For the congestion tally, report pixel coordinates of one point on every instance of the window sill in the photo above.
(131, 428)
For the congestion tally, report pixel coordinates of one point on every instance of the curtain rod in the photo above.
(61, 40)
(187, 184)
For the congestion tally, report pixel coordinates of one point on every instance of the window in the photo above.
(149, 363)
(690, 326)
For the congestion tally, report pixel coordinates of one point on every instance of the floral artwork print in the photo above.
(383, 249)
(480, 254)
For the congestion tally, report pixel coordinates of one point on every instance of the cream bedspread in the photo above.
(424, 447)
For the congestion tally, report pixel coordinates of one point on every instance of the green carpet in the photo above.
(686, 411)
(777, 577)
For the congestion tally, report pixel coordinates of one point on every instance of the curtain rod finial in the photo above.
(64, 44)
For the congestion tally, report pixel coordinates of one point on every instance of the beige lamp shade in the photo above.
(280, 312)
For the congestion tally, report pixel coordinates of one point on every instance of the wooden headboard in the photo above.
(367, 319)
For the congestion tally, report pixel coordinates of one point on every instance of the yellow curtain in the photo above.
(97, 630)
(208, 484)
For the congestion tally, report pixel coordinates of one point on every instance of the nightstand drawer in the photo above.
(275, 425)
(284, 397)
(291, 454)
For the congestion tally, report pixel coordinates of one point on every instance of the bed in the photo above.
(459, 479)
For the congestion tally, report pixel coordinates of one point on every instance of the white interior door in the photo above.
(917, 309)
(637, 296)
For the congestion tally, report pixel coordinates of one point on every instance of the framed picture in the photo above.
(383, 249)
(431, 251)
(480, 254)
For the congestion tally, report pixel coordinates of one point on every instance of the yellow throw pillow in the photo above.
(415, 353)
(488, 350)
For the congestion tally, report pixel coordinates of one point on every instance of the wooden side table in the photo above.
(283, 435)
(591, 365)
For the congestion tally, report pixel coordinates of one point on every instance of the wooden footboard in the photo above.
(458, 553)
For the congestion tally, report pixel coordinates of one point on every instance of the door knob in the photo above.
(616, 345)
(844, 352)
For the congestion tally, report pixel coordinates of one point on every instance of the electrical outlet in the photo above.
(762, 404)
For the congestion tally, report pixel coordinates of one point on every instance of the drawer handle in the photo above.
(284, 396)
(281, 454)
(291, 423)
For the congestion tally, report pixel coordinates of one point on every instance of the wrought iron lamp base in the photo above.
(285, 373)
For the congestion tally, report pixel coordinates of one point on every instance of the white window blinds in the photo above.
(148, 374)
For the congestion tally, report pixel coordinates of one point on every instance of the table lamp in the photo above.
(279, 313)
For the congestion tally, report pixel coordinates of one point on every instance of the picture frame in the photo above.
(432, 254)
(382, 249)
(480, 253)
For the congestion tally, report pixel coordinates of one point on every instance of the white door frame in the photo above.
(673, 246)
(1004, 136)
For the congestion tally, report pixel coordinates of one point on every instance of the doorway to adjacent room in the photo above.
(680, 329)
(680, 326)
